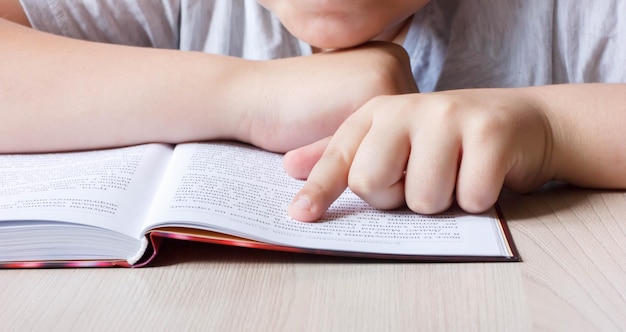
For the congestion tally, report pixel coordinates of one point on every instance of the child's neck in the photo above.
(397, 33)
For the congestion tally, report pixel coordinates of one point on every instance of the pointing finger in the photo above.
(329, 177)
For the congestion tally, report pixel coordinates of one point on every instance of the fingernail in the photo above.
(302, 203)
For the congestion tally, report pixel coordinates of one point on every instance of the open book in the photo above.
(111, 207)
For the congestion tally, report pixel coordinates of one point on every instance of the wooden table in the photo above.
(572, 278)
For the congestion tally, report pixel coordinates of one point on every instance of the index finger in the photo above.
(329, 177)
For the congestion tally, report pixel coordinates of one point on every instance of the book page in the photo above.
(110, 189)
(242, 191)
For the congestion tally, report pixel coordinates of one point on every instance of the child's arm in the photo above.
(58, 93)
(466, 145)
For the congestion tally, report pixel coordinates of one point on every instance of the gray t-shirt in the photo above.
(452, 43)
(514, 43)
(239, 28)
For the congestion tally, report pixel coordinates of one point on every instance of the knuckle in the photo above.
(487, 124)
(449, 108)
(336, 156)
(362, 184)
(481, 124)
(386, 110)
(442, 110)
(427, 204)
(475, 203)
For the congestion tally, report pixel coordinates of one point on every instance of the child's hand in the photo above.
(425, 150)
(301, 100)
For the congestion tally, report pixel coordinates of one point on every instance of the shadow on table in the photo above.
(173, 252)
(550, 199)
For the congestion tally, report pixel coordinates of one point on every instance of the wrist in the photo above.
(547, 101)
(213, 97)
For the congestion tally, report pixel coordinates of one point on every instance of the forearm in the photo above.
(587, 122)
(61, 94)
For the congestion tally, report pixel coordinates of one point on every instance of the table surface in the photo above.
(572, 278)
